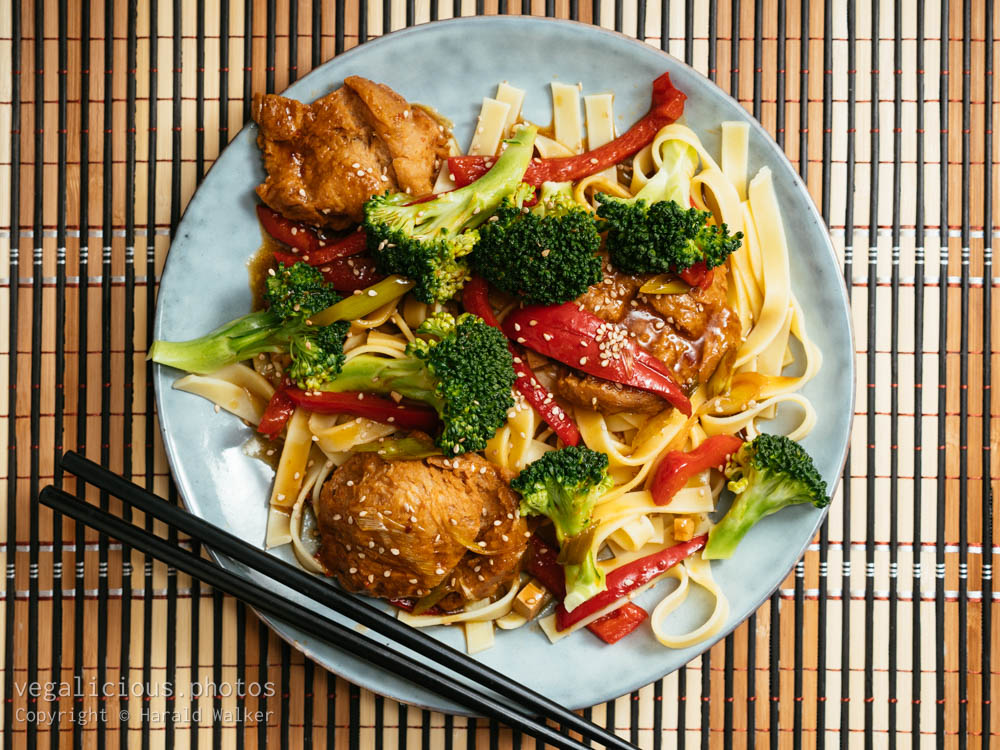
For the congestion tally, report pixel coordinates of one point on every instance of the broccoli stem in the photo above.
(409, 377)
(233, 342)
(584, 579)
(366, 301)
(757, 502)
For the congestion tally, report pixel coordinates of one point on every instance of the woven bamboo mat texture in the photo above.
(884, 635)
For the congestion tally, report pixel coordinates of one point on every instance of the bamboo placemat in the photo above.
(111, 114)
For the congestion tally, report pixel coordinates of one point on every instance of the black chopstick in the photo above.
(276, 605)
(348, 605)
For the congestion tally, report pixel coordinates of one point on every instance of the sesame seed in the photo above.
(394, 551)
(439, 571)
(371, 545)
(387, 573)
(371, 578)
(583, 360)
(281, 496)
(352, 570)
(413, 580)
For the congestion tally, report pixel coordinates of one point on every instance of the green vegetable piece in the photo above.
(548, 253)
(464, 370)
(768, 474)
(429, 242)
(657, 230)
(292, 294)
(564, 485)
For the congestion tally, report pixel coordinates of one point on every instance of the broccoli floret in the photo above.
(292, 294)
(564, 485)
(465, 372)
(428, 242)
(768, 474)
(548, 253)
(657, 230)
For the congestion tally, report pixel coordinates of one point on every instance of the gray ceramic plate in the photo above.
(452, 65)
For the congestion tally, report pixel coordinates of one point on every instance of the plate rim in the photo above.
(762, 135)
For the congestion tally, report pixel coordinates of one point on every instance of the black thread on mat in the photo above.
(897, 143)
(56, 652)
(363, 21)
(609, 716)
(270, 45)
(871, 375)
(574, 9)
(107, 316)
(963, 408)
(386, 16)
(218, 601)
(339, 27)
(286, 679)
(986, 574)
(774, 641)
(758, 56)
(402, 722)
(150, 444)
(263, 640)
(640, 21)
(308, 678)
(824, 529)
(798, 658)
(634, 718)
(619, 16)
(82, 315)
(354, 716)
(713, 39)
(704, 729)
(916, 675)
(410, 12)
(846, 652)
(128, 325)
(942, 482)
(35, 398)
(247, 58)
(494, 735)
(293, 42)
(316, 39)
(379, 722)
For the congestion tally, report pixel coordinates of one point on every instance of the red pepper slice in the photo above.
(627, 578)
(619, 623)
(699, 275)
(279, 410)
(475, 299)
(677, 467)
(405, 416)
(305, 241)
(666, 106)
(543, 564)
(408, 604)
(580, 339)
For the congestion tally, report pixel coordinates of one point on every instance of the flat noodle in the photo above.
(735, 144)
(314, 478)
(341, 438)
(566, 122)
(700, 571)
(489, 128)
(513, 97)
(549, 148)
(774, 249)
(225, 395)
(292, 465)
(279, 530)
(599, 112)
(745, 420)
(248, 379)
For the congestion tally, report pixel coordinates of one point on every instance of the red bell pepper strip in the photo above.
(475, 299)
(618, 623)
(279, 410)
(407, 605)
(677, 467)
(346, 274)
(622, 581)
(543, 564)
(580, 339)
(666, 106)
(405, 416)
(305, 241)
(698, 275)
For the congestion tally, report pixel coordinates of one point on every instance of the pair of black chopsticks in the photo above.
(523, 709)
